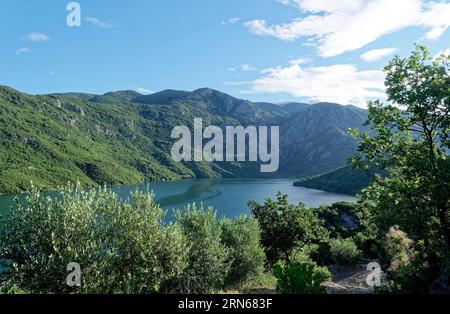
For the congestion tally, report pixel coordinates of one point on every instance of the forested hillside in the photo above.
(124, 137)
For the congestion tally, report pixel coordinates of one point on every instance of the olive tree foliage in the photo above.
(121, 246)
(243, 238)
(208, 262)
(285, 226)
(410, 143)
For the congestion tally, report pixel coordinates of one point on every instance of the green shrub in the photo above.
(369, 245)
(300, 277)
(416, 276)
(208, 258)
(399, 248)
(285, 226)
(409, 271)
(11, 289)
(304, 253)
(344, 251)
(341, 219)
(242, 237)
(121, 248)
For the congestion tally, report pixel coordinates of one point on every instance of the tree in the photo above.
(208, 258)
(243, 236)
(121, 246)
(410, 142)
(285, 226)
(300, 277)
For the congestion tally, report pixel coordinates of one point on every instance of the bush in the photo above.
(121, 248)
(300, 277)
(242, 237)
(208, 258)
(11, 289)
(409, 270)
(399, 248)
(416, 276)
(341, 219)
(369, 245)
(286, 226)
(344, 251)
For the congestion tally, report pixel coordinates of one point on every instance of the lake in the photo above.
(228, 196)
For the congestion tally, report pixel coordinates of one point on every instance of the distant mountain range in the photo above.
(124, 137)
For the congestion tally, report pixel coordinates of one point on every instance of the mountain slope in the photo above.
(119, 96)
(124, 137)
(344, 180)
(316, 139)
(295, 107)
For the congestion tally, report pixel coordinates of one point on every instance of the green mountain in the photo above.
(316, 140)
(116, 97)
(124, 137)
(284, 110)
(345, 180)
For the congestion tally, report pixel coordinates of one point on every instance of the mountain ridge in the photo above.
(112, 139)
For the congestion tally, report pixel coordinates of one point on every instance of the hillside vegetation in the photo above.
(344, 180)
(124, 137)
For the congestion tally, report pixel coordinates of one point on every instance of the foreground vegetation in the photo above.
(410, 143)
(126, 246)
(402, 220)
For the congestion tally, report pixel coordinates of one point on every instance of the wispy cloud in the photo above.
(98, 23)
(342, 83)
(337, 26)
(299, 61)
(232, 20)
(377, 54)
(445, 53)
(231, 83)
(143, 90)
(23, 50)
(247, 67)
(36, 37)
(243, 68)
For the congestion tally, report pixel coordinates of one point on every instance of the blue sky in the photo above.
(262, 50)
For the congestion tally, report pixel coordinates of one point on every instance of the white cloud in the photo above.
(377, 54)
(232, 20)
(341, 83)
(243, 68)
(247, 67)
(436, 18)
(36, 37)
(230, 83)
(337, 26)
(98, 23)
(299, 61)
(23, 50)
(143, 90)
(445, 52)
(316, 6)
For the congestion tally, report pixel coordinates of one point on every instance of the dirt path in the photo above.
(348, 280)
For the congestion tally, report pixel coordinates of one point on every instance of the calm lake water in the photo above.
(228, 196)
